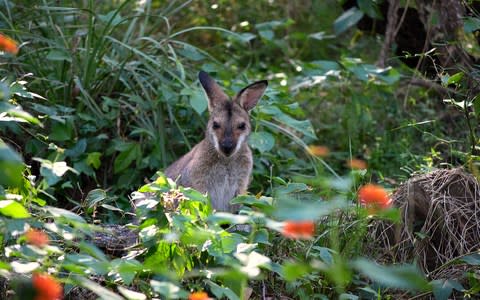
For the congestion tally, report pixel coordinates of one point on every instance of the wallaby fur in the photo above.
(221, 164)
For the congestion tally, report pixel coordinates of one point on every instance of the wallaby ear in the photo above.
(248, 97)
(214, 92)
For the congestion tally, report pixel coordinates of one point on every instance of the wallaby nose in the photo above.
(227, 146)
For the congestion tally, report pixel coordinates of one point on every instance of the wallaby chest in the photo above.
(224, 179)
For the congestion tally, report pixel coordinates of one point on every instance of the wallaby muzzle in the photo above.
(227, 146)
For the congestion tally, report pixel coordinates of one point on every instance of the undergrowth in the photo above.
(101, 96)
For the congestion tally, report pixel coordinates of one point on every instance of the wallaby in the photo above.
(221, 164)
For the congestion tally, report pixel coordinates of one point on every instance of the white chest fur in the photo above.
(222, 186)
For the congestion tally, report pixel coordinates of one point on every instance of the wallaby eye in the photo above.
(215, 125)
(242, 126)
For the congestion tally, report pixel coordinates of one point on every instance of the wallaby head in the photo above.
(229, 123)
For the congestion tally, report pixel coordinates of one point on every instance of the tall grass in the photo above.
(119, 82)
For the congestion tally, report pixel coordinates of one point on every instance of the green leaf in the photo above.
(131, 295)
(168, 290)
(292, 270)
(442, 289)
(264, 203)
(304, 126)
(13, 209)
(262, 140)
(191, 52)
(93, 159)
(112, 16)
(471, 24)
(406, 277)
(272, 24)
(198, 101)
(4, 92)
(99, 290)
(5, 266)
(347, 296)
(220, 292)
(326, 65)
(12, 166)
(229, 243)
(126, 157)
(59, 55)
(16, 114)
(63, 213)
(244, 37)
(91, 264)
(18, 88)
(292, 209)
(266, 34)
(261, 237)
(324, 253)
(94, 197)
(53, 171)
(476, 105)
(127, 269)
(472, 259)
(61, 131)
(455, 78)
(348, 19)
(370, 8)
(78, 149)
(92, 250)
(83, 167)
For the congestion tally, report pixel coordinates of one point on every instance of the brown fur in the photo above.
(221, 164)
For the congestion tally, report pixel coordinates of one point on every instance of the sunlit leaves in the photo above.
(11, 164)
(13, 209)
(53, 171)
(131, 295)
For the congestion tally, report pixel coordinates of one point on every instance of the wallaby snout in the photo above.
(227, 146)
(221, 164)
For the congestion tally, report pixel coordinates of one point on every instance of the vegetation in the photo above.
(98, 97)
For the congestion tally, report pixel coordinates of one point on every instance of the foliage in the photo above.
(97, 97)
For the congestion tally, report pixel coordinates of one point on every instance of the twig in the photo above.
(264, 294)
(432, 85)
(392, 17)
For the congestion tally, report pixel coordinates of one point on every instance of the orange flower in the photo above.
(357, 164)
(8, 45)
(46, 287)
(374, 197)
(37, 238)
(321, 151)
(299, 229)
(198, 296)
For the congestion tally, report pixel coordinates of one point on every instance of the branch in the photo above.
(392, 17)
